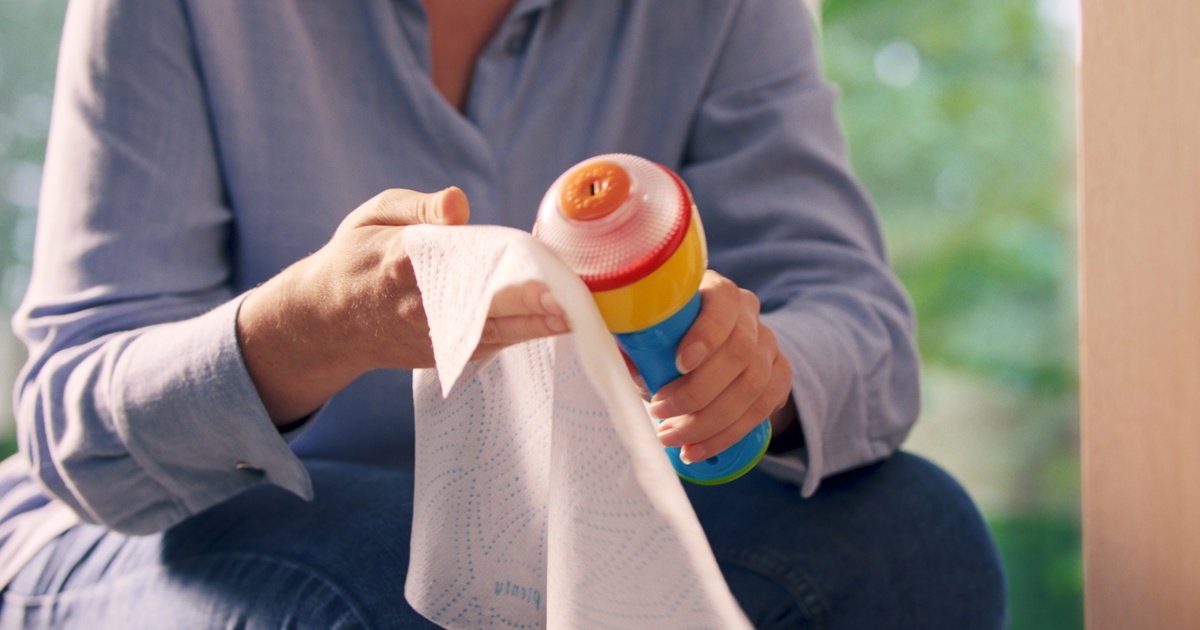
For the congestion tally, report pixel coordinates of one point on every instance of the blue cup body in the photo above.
(653, 351)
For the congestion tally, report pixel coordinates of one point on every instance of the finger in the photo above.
(408, 207)
(697, 389)
(500, 332)
(529, 298)
(638, 380)
(719, 302)
(642, 388)
(772, 398)
(730, 404)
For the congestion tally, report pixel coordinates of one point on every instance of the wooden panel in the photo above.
(1140, 312)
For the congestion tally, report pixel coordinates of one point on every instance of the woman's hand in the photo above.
(734, 376)
(354, 306)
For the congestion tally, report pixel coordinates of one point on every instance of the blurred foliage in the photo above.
(28, 49)
(1045, 571)
(959, 114)
(969, 158)
(29, 31)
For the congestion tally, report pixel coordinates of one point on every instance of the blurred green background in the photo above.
(960, 119)
(29, 32)
(959, 114)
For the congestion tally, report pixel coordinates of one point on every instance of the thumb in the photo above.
(451, 205)
(409, 207)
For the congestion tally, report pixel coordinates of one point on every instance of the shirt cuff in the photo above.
(831, 415)
(191, 417)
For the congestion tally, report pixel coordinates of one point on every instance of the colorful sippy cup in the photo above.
(630, 229)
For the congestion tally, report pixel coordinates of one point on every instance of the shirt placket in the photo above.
(493, 102)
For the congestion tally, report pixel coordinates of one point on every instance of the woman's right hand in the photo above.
(354, 306)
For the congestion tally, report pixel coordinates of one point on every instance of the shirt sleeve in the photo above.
(135, 407)
(785, 218)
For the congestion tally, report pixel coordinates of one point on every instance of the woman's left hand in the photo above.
(734, 376)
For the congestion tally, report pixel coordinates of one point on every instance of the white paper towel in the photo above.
(543, 497)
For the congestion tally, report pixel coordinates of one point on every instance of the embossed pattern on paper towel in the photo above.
(542, 497)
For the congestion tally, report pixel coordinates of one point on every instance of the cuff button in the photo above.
(250, 469)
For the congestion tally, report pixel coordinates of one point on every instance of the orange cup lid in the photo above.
(614, 218)
(593, 190)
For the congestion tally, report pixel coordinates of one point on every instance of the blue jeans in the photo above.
(897, 544)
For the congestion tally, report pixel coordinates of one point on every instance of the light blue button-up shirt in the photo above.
(199, 147)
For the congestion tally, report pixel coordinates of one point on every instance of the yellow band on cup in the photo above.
(660, 294)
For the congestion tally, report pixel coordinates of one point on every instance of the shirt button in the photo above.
(516, 43)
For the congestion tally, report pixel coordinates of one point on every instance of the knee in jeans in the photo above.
(939, 533)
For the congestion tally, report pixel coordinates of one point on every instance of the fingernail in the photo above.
(439, 208)
(551, 304)
(692, 453)
(446, 215)
(690, 357)
(556, 324)
(661, 409)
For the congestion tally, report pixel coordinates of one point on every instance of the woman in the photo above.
(202, 349)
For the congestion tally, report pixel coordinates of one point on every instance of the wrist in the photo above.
(292, 359)
(786, 432)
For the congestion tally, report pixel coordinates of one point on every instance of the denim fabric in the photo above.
(265, 559)
(892, 545)
(897, 544)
